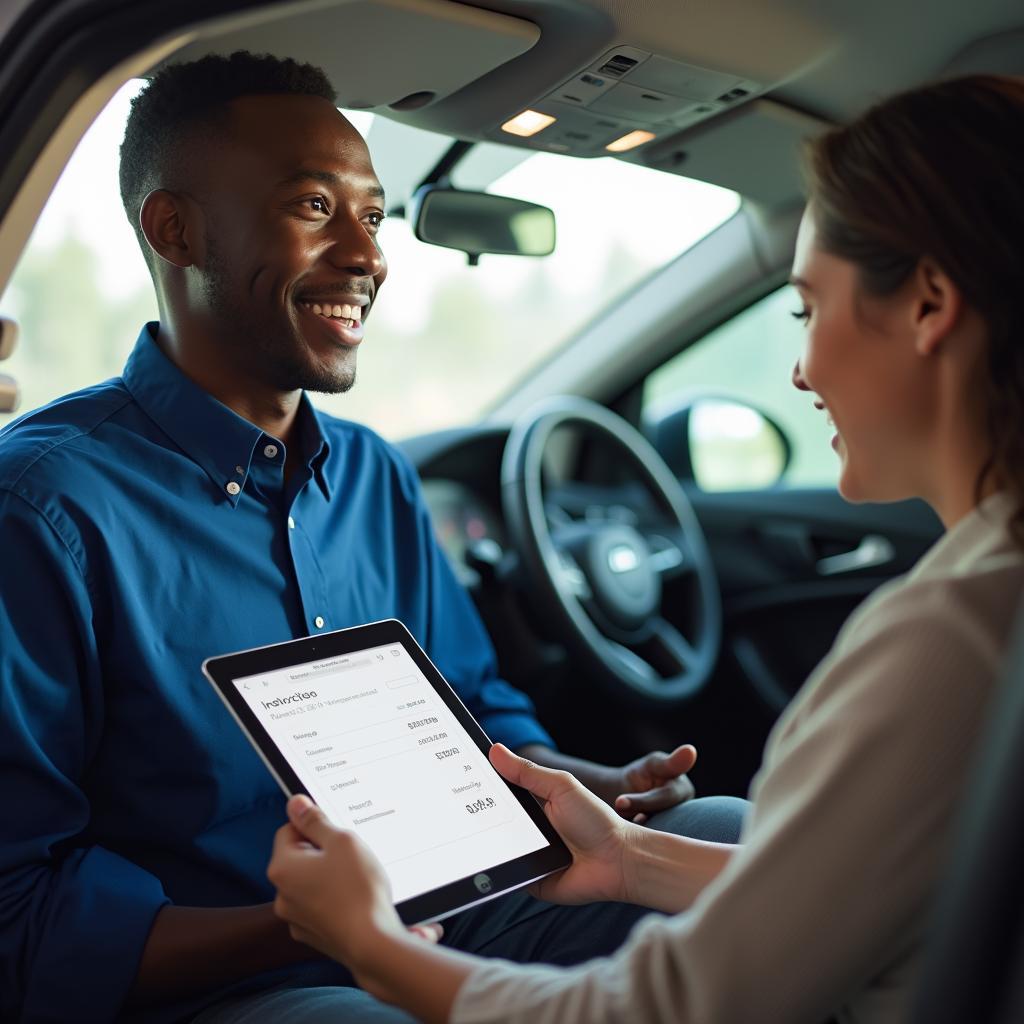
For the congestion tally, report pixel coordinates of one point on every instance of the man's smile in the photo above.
(344, 320)
(342, 314)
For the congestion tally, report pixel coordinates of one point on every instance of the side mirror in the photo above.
(477, 222)
(723, 444)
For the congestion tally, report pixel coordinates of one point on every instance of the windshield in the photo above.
(445, 340)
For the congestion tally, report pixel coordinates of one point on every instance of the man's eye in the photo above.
(376, 219)
(317, 204)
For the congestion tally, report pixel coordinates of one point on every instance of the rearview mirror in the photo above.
(477, 222)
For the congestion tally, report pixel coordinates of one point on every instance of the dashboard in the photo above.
(461, 516)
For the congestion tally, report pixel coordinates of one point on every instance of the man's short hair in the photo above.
(182, 101)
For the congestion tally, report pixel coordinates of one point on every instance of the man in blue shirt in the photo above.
(200, 504)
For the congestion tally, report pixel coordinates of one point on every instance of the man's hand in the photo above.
(597, 837)
(637, 790)
(654, 783)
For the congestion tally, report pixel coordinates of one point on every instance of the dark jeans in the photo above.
(516, 927)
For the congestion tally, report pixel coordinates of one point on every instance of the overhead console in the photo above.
(466, 72)
(629, 90)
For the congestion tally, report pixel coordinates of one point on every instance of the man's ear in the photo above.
(169, 222)
(936, 307)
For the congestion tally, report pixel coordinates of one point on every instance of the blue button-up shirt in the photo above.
(144, 526)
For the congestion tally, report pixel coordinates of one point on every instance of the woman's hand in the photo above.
(331, 890)
(598, 838)
(334, 895)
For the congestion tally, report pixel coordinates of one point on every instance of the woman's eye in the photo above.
(803, 315)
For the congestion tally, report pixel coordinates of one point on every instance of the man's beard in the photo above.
(281, 360)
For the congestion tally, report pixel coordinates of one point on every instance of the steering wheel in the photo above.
(598, 577)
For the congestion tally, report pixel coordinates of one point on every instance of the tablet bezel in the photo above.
(223, 670)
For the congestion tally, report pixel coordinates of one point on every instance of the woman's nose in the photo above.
(798, 379)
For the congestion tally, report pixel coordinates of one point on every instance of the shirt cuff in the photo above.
(509, 993)
(101, 913)
(489, 992)
(515, 729)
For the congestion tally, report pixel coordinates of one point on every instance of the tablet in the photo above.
(362, 722)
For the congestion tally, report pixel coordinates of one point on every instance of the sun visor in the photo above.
(384, 54)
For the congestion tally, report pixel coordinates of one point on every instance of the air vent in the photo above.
(618, 66)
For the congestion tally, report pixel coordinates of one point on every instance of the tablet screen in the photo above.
(382, 754)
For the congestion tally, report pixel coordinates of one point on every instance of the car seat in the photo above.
(973, 971)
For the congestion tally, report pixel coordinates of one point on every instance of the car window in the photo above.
(444, 340)
(750, 358)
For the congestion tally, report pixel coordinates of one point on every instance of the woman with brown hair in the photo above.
(910, 267)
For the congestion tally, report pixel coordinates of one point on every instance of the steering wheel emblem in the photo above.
(622, 558)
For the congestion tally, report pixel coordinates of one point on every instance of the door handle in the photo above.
(873, 551)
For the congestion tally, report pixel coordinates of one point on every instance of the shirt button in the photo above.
(291, 523)
(270, 451)
(319, 622)
(233, 488)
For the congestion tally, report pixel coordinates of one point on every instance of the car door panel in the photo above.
(793, 564)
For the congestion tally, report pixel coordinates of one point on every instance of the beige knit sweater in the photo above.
(824, 908)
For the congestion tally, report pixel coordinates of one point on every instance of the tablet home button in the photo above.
(483, 883)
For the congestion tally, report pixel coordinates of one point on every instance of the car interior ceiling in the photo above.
(463, 72)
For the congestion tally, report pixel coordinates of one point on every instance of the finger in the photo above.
(545, 783)
(309, 820)
(300, 934)
(666, 766)
(654, 799)
(432, 932)
(280, 907)
(639, 819)
(682, 759)
(286, 840)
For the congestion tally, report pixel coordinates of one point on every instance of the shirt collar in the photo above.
(212, 435)
(982, 532)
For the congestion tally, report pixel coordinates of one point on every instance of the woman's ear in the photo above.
(168, 220)
(936, 306)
